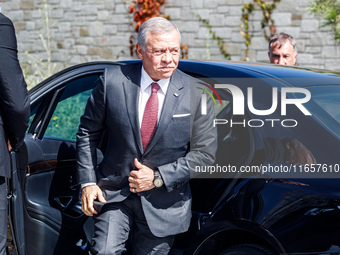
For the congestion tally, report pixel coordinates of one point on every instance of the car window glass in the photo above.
(66, 117)
(324, 106)
(32, 116)
(330, 105)
(63, 115)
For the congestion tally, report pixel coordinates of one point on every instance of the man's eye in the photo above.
(158, 52)
(174, 52)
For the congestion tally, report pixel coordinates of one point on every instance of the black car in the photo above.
(274, 188)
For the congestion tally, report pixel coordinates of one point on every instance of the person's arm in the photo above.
(14, 99)
(88, 138)
(89, 134)
(203, 146)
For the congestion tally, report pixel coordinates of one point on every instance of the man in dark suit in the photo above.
(14, 113)
(155, 133)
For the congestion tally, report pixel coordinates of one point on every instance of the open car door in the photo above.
(45, 208)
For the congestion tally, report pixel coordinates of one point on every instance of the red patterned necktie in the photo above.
(149, 123)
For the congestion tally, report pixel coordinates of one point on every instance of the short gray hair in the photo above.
(157, 25)
(281, 39)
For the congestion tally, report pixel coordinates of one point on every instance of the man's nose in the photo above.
(281, 61)
(166, 57)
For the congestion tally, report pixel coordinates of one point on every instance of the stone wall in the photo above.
(90, 30)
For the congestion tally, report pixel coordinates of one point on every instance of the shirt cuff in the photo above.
(87, 184)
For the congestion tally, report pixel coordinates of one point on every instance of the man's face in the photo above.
(161, 55)
(282, 54)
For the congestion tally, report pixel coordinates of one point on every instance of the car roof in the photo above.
(289, 74)
(227, 69)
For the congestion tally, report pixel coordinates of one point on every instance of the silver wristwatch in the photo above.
(157, 181)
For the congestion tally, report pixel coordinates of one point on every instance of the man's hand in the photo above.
(9, 145)
(141, 179)
(89, 194)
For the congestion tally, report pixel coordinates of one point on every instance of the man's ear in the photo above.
(139, 51)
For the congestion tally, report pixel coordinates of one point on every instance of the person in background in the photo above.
(14, 113)
(282, 49)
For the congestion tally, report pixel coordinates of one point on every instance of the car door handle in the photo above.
(63, 201)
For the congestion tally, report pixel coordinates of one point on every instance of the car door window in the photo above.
(62, 109)
(56, 112)
(32, 116)
(65, 120)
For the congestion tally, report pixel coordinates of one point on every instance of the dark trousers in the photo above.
(3, 215)
(117, 221)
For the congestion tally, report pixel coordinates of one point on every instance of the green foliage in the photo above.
(266, 22)
(66, 117)
(219, 40)
(329, 10)
(247, 9)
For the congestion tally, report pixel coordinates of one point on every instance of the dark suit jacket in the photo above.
(14, 100)
(182, 134)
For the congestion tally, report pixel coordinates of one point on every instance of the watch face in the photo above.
(158, 183)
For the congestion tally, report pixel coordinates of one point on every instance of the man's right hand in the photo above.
(89, 194)
(9, 145)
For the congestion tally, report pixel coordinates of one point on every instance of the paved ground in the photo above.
(9, 242)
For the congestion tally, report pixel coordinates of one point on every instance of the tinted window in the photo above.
(326, 109)
(331, 105)
(66, 117)
(32, 116)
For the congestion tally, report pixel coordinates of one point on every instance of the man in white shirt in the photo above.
(154, 124)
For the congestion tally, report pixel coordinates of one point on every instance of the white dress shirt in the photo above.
(145, 93)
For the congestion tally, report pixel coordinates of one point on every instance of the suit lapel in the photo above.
(132, 91)
(172, 98)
